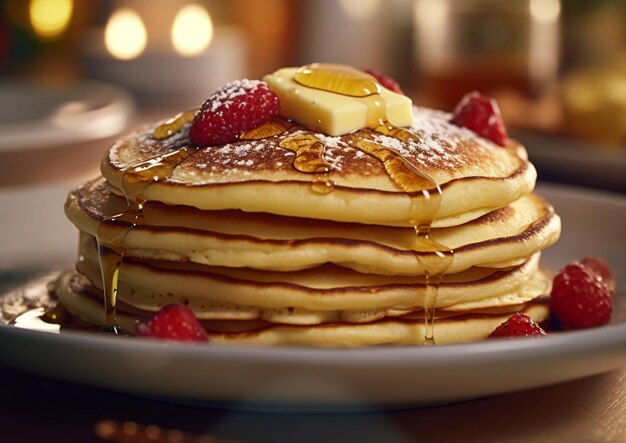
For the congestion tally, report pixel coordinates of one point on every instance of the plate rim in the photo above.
(105, 121)
(605, 344)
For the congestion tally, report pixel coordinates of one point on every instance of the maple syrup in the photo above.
(415, 182)
(309, 152)
(434, 258)
(36, 320)
(339, 79)
(323, 185)
(309, 159)
(174, 125)
(270, 129)
(35, 306)
(111, 250)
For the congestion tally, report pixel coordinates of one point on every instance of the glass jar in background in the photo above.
(485, 45)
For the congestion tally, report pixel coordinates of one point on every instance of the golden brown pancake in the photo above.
(77, 295)
(476, 176)
(391, 227)
(265, 241)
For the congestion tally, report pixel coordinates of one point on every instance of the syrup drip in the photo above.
(401, 134)
(309, 153)
(434, 258)
(438, 258)
(267, 130)
(174, 124)
(310, 159)
(135, 181)
(323, 185)
(377, 111)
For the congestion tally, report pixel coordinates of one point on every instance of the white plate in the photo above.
(293, 379)
(33, 116)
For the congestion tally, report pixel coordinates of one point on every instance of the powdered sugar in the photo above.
(224, 97)
(438, 144)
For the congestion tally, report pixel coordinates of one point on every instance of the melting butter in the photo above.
(337, 100)
(340, 79)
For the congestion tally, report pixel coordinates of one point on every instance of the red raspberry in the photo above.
(387, 82)
(481, 114)
(601, 268)
(237, 107)
(580, 299)
(172, 322)
(518, 325)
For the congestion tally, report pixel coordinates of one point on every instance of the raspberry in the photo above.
(580, 299)
(601, 268)
(172, 322)
(517, 325)
(387, 82)
(237, 107)
(481, 114)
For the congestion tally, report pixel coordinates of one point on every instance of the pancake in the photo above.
(313, 295)
(475, 175)
(77, 296)
(501, 238)
(379, 234)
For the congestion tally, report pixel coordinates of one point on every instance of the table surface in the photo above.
(36, 409)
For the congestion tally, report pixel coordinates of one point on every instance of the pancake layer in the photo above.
(82, 300)
(395, 235)
(262, 241)
(259, 175)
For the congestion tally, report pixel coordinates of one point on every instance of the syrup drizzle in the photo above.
(309, 153)
(174, 125)
(309, 159)
(136, 179)
(270, 129)
(424, 191)
(339, 79)
(438, 258)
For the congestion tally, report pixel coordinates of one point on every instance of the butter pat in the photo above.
(333, 113)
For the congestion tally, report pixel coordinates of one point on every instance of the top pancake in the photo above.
(475, 175)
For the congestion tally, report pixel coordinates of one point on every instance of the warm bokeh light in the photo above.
(50, 18)
(431, 18)
(545, 11)
(192, 30)
(360, 9)
(125, 35)
(431, 11)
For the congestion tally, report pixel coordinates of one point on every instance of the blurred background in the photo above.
(76, 74)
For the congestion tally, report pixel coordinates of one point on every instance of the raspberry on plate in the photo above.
(386, 81)
(517, 325)
(232, 110)
(481, 114)
(601, 268)
(580, 298)
(172, 322)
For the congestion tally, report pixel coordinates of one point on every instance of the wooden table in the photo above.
(36, 409)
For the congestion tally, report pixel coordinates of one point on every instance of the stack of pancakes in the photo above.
(267, 251)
